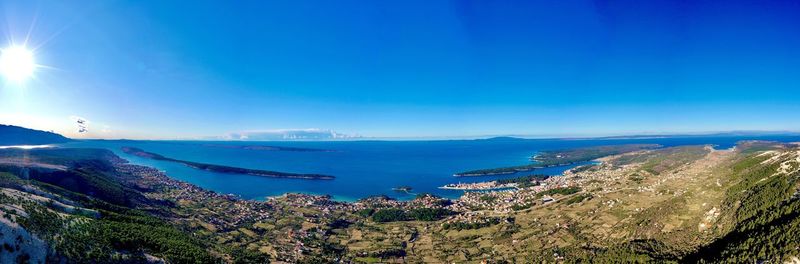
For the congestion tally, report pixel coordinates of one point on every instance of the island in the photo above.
(557, 158)
(227, 169)
(267, 148)
(402, 189)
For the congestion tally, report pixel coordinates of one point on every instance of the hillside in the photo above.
(228, 169)
(684, 204)
(554, 158)
(681, 204)
(14, 135)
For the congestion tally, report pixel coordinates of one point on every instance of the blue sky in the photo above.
(168, 69)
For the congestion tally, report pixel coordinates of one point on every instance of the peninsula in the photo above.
(227, 169)
(557, 158)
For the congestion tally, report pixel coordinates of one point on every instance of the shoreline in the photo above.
(557, 158)
(466, 189)
(227, 169)
(479, 186)
(512, 170)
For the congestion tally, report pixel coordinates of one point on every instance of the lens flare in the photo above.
(17, 63)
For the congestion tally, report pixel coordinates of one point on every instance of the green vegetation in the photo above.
(89, 178)
(524, 181)
(389, 215)
(241, 255)
(754, 146)
(9, 180)
(578, 198)
(570, 156)
(766, 214)
(636, 177)
(560, 190)
(672, 158)
(365, 212)
(100, 240)
(488, 198)
(428, 214)
(518, 207)
(40, 220)
(472, 225)
(562, 158)
(416, 214)
(583, 168)
(106, 227)
(662, 160)
(636, 251)
(227, 169)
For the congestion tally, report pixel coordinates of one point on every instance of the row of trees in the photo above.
(560, 190)
(416, 214)
(472, 225)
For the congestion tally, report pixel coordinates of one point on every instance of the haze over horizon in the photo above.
(157, 70)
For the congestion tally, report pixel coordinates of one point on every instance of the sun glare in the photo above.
(17, 63)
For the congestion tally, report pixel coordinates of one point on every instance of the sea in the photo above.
(369, 167)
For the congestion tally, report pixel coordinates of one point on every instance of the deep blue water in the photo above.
(364, 168)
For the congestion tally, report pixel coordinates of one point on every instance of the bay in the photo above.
(366, 168)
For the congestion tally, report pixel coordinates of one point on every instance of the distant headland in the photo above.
(227, 169)
(14, 135)
(556, 158)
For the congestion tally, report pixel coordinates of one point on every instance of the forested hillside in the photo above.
(14, 135)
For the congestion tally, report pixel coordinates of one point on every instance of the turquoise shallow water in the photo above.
(364, 168)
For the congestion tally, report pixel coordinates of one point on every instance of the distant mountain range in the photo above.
(503, 138)
(14, 135)
(289, 134)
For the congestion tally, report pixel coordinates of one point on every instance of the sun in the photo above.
(17, 63)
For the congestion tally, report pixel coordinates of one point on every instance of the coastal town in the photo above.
(231, 218)
(492, 219)
(313, 225)
(478, 186)
(500, 195)
(389, 132)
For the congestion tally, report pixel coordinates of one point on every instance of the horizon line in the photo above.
(491, 136)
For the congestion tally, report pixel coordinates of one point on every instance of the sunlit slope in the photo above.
(683, 204)
(762, 210)
(75, 208)
(665, 204)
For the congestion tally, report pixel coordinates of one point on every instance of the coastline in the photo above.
(227, 169)
(564, 157)
(512, 170)
(499, 188)
(350, 183)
